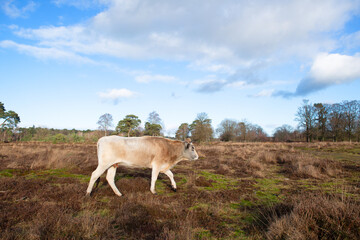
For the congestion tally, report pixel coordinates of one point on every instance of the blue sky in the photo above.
(65, 63)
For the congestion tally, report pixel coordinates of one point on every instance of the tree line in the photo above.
(200, 130)
(324, 122)
(319, 121)
(130, 125)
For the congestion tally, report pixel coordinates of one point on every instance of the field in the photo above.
(234, 191)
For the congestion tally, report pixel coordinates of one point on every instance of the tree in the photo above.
(228, 130)
(201, 129)
(154, 125)
(321, 120)
(105, 122)
(2, 110)
(336, 121)
(350, 111)
(306, 115)
(129, 123)
(232, 130)
(154, 118)
(284, 133)
(357, 128)
(183, 132)
(152, 129)
(242, 131)
(255, 133)
(10, 118)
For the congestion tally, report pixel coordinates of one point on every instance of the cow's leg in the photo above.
(110, 177)
(171, 176)
(154, 176)
(94, 176)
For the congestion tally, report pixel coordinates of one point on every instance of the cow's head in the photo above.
(190, 152)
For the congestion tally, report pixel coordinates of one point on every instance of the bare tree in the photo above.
(284, 133)
(336, 121)
(350, 110)
(105, 122)
(242, 131)
(322, 111)
(306, 116)
(255, 133)
(228, 130)
(154, 118)
(357, 128)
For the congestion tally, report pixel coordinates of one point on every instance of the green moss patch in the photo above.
(268, 192)
(201, 233)
(181, 180)
(61, 173)
(160, 186)
(199, 205)
(7, 172)
(218, 181)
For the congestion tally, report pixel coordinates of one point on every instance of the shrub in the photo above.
(310, 216)
(76, 138)
(59, 138)
(317, 217)
(306, 166)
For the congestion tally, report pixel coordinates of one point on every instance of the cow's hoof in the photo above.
(88, 195)
(174, 189)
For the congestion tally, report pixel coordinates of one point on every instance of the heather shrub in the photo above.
(317, 217)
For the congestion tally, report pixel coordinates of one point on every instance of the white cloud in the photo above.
(224, 34)
(51, 33)
(45, 53)
(264, 93)
(11, 10)
(166, 39)
(210, 84)
(335, 68)
(82, 40)
(146, 78)
(116, 94)
(228, 38)
(238, 84)
(82, 4)
(210, 66)
(326, 70)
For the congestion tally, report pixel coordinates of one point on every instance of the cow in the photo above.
(159, 154)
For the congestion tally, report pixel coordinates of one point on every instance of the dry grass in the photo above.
(305, 165)
(234, 191)
(39, 155)
(317, 217)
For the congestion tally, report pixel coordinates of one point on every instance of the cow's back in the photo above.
(134, 151)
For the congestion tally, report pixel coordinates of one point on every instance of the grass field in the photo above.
(234, 191)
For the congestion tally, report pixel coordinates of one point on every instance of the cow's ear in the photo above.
(188, 140)
(187, 145)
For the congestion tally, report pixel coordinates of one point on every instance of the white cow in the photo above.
(158, 153)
